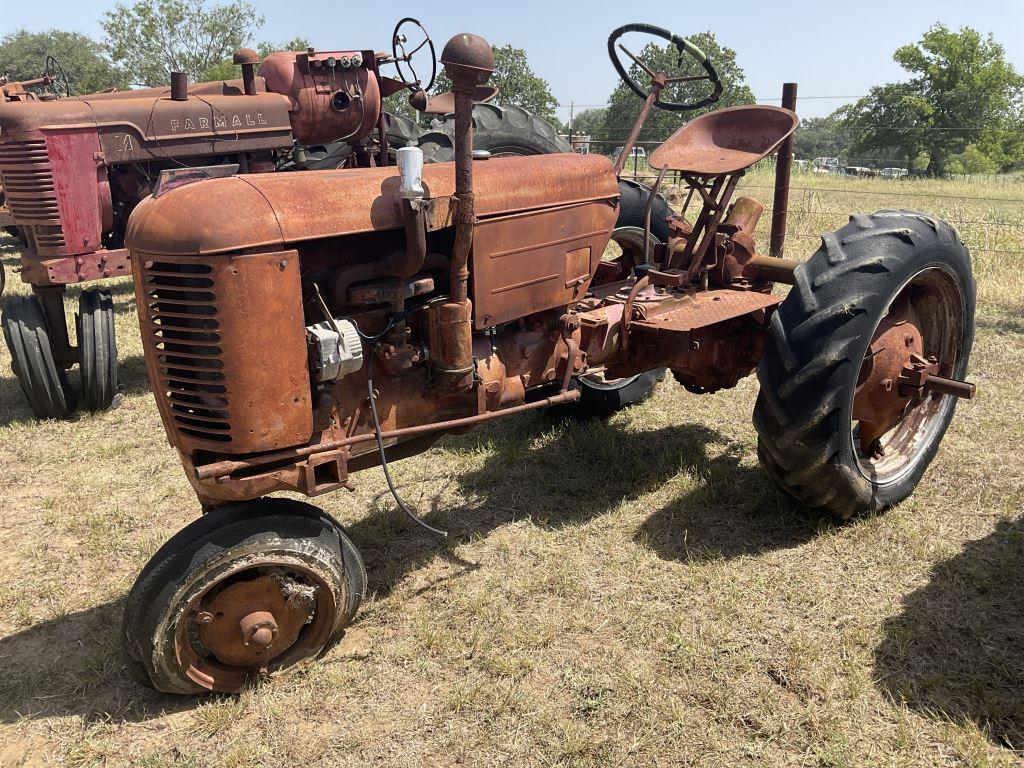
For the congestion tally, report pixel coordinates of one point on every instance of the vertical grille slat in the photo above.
(27, 177)
(181, 306)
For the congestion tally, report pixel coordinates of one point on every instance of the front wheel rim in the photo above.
(244, 656)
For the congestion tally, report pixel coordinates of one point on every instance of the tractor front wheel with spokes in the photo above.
(866, 362)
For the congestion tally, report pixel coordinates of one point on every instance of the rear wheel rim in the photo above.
(937, 303)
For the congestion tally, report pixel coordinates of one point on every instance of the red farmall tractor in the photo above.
(300, 327)
(74, 168)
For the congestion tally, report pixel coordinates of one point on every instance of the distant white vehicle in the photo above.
(894, 173)
(827, 165)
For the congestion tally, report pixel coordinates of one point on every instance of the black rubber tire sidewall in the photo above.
(97, 348)
(633, 198)
(233, 528)
(820, 335)
(28, 341)
(496, 129)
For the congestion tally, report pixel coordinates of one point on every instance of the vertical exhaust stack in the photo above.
(248, 59)
(179, 86)
(469, 62)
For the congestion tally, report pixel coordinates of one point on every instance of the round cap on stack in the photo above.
(468, 59)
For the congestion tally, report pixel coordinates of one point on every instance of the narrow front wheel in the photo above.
(245, 591)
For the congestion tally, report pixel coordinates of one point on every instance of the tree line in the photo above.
(960, 110)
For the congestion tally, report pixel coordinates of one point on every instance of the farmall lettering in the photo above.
(243, 120)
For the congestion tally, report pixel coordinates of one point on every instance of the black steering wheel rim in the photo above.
(407, 58)
(683, 46)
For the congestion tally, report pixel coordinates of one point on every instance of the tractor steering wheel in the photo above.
(399, 41)
(682, 45)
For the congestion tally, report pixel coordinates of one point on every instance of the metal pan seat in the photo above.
(725, 141)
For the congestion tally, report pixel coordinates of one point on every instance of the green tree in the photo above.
(962, 91)
(23, 57)
(587, 121)
(821, 137)
(624, 105)
(153, 38)
(226, 70)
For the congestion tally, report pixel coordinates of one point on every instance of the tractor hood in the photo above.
(277, 209)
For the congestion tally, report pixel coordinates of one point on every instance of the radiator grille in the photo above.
(28, 187)
(181, 304)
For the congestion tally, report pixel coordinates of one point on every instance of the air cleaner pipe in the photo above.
(469, 61)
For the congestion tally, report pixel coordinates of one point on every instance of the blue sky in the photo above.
(830, 48)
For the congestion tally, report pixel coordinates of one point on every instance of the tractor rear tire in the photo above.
(292, 547)
(28, 340)
(97, 348)
(820, 336)
(500, 130)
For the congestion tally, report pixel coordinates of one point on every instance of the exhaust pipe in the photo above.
(469, 61)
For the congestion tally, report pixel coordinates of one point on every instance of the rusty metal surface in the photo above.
(280, 208)
(268, 594)
(530, 262)
(327, 102)
(726, 140)
(783, 172)
(704, 308)
(251, 622)
(225, 347)
(469, 58)
(224, 468)
(66, 271)
(138, 129)
(879, 404)
(444, 103)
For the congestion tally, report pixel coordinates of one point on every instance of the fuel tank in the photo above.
(333, 95)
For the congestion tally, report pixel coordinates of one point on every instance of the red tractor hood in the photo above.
(277, 209)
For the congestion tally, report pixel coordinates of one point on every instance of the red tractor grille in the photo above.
(27, 178)
(181, 304)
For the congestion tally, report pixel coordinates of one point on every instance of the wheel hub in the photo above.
(896, 377)
(249, 623)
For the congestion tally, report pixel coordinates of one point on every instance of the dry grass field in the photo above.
(628, 593)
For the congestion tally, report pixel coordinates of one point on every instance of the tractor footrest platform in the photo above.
(704, 309)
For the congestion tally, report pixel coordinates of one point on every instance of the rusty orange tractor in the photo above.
(298, 328)
(72, 169)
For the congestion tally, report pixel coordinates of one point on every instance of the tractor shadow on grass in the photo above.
(586, 471)
(956, 650)
(72, 665)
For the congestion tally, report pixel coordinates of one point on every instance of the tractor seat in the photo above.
(726, 140)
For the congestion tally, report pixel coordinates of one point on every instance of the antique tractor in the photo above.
(73, 169)
(350, 318)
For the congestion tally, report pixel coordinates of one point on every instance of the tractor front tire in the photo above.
(97, 349)
(816, 359)
(28, 340)
(245, 591)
